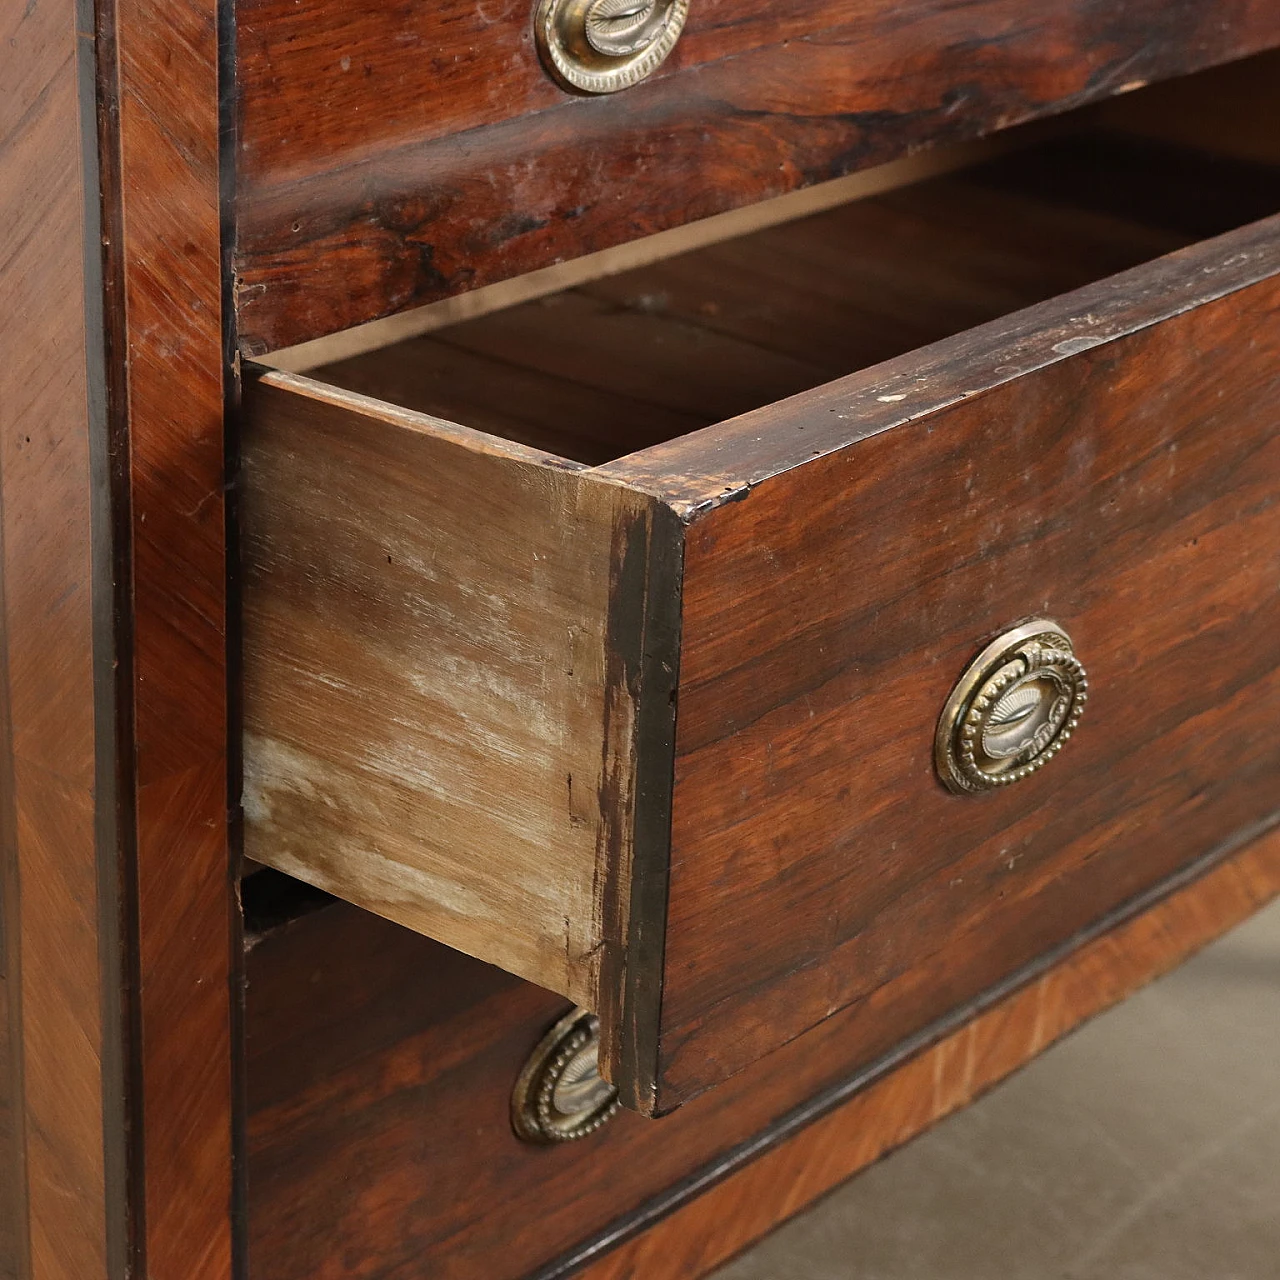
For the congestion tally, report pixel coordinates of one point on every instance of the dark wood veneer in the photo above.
(393, 156)
(744, 1198)
(380, 1063)
(169, 397)
(380, 1145)
(61, 1212)
(118, 927)
(838, 556)
(1109, 460)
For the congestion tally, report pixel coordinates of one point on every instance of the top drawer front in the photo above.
(395, 154)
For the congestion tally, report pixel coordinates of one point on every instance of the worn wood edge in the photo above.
(706, 469)
(643, 673)
(232, 396)
(642, 634)
(376, 334)
(420, 166)
(111, 558)
(298, 384)
(755, 1186)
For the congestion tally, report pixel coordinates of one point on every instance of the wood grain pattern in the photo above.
(751, 1201)
(127, 1159)
(380, 1145)
(433, 727)
(392, 157)
(164, 136)
(10, 1150)
(1113, 468)
(65, 1130)
(1095, 458)
(13, 1179)
(625, 363)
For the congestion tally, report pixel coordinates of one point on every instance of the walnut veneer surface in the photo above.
(184, 183)
(466, 659)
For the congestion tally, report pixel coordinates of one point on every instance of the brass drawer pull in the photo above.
(1012, 710)
(560, 1095)
(601, 46)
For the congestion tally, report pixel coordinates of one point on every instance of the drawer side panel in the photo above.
(432, 728)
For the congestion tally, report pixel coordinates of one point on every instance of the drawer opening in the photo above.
(618, 365)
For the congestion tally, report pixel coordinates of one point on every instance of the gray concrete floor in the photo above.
(1144, 1147)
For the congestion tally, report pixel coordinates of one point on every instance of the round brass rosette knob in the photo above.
(560, 1095)
(1012, 710)
(601, 46)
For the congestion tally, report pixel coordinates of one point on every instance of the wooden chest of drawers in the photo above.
(785, 582)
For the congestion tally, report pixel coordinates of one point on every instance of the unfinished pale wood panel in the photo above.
(427, 711)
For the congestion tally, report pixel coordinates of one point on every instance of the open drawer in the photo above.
(610, 640)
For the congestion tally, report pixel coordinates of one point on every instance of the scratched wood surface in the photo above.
(379, 1144)
(162, 125)
(348, 788)
(390, 156)
(825, 625)
(434, 726)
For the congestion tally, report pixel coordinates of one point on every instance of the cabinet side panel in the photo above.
(54, 1176)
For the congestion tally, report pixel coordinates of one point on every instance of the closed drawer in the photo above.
(644, 710)
(391, 154)
(379, 1138)
(381, 1071)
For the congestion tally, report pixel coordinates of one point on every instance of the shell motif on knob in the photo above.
(1014, 708)
(601, 46)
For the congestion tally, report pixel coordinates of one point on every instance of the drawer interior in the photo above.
(614, 366)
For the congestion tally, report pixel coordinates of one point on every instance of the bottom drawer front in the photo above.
(1128, 492)
(380, 1065)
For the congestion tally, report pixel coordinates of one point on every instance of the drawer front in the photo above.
(390, 155)
(1111, 461)
(659, 734)
(380, 1067)
(379, 1138)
